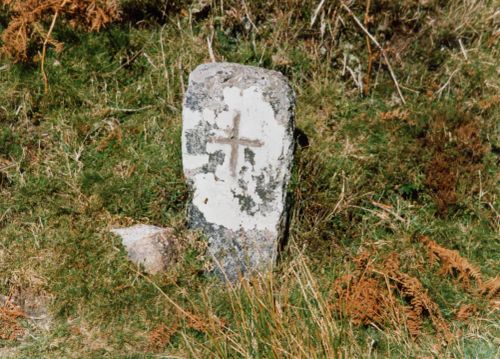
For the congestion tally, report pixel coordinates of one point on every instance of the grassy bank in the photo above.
(388, 186)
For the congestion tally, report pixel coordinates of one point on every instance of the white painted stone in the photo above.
(148, 246)
(237, 146)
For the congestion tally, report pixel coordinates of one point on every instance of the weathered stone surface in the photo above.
(148, 246)
(237, 147)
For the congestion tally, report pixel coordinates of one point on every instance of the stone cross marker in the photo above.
(237, 152)
(235, 141)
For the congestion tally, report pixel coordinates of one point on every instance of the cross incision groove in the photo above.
(234, 140)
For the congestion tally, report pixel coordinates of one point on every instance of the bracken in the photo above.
(9, 327)
(491, 290)
(160, 336)
(361, 299)
(452, 262)
(31, 22)
(365, 297)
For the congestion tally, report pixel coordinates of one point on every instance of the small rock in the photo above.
(148, 246)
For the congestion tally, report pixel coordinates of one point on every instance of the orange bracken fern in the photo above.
(9, 327)
(30, 20)
(451, 263)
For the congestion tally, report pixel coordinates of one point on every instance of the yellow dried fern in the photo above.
(9, 327)
(31, 22)
(420, 303)
(365, 296)
(452, 263)
(491, 288)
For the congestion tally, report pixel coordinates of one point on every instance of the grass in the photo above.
(102, 149)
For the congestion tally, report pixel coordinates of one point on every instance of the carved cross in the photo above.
(235, 140)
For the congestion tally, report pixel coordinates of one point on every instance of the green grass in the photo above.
(102, 149)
